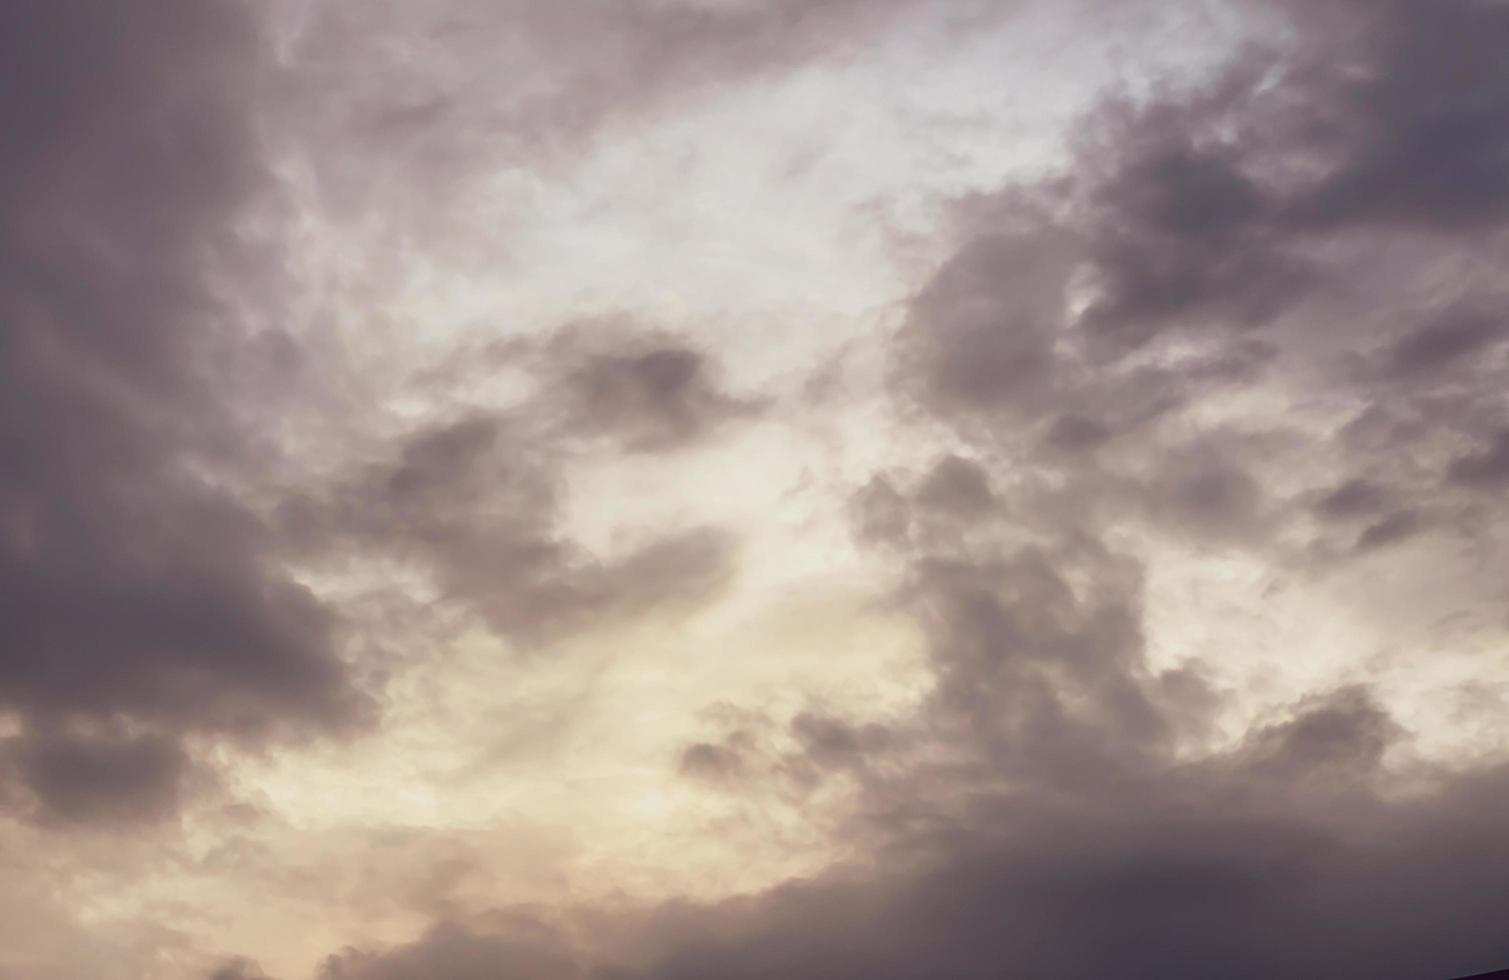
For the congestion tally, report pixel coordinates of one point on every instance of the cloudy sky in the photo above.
(732, 489)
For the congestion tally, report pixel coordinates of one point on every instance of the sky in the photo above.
(733, 489)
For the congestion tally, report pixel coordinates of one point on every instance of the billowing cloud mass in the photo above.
(746, 488)
(142, 601)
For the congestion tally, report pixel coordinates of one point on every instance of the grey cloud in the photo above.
(1179, 234)
(404, 99)
(516, 948)
(957, 486)
(239, 970)
(799, 754)
(1206, 495)
(1174, 884)
(1438, 344)
(712, 762)
(476, 502)
(1394, 527)
(954, 494)
(982, 332)
(1352, 498)
(834, 743)
(1033, 632)
(1066, 816)
(1172, 887)
(1426, 117)
(1056, 831)
(1207, 209)
(1064, 836)
(133, 585)
(879, 513)
(1235, 236)
(1207, 206)
(1486, 469)
(1036, 650)
(680, 566)
(1338, 737)
(643, 392)
(1076, 433)
(606, 385)
(107, 777)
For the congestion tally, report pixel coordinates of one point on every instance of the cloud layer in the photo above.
(337, 587)
(1047, 810)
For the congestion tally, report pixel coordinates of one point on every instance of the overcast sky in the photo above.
(733, 489)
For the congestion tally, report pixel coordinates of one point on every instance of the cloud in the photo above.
(476, 497)
(1169, 887)
(1175, 872)
(475, 501)
(588, 65)
(115, 778)
(512, 946)
(1252, 237)
(1423, 150)
(137, 587)
(404, 116)
(1129, 357)
(638, 391)
(1487, 468)
(238, 970)
(1438, 344)
(712, 762)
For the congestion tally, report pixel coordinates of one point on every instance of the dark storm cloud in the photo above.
(133, 587)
